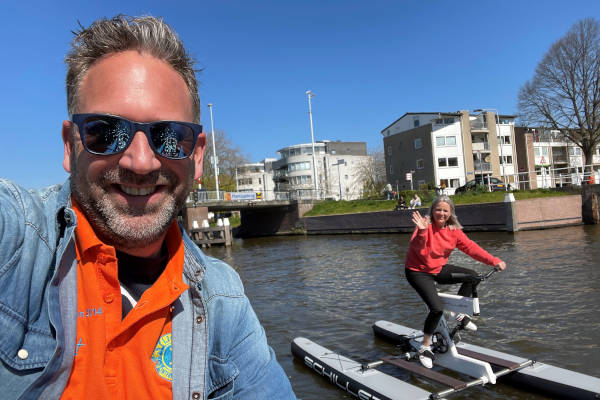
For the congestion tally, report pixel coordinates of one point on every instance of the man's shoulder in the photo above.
(221, 278)
(27, 199)
(218, 277)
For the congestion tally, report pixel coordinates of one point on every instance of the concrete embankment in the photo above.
(510, 215)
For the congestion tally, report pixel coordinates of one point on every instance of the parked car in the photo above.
(495, 184)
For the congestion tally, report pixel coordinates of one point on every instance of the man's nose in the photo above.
(139, 156)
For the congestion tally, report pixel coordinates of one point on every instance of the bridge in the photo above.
(259, 217)
(235, 205)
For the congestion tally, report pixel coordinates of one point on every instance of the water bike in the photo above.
(481, 365)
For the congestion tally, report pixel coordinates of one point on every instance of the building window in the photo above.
(448, 121)
(260, 181)
(454, 183)
(391, 169)
(418, 143)
(420, 163)
(445, 141)
(416, 122)
(299, 166)
(507, 159)
(389, 150)
(443, 183)
(300, 180)
(448, 162)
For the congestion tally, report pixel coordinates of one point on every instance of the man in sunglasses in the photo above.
(102, 293)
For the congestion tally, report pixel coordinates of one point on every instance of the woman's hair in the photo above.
(453, 220)
(144, 34)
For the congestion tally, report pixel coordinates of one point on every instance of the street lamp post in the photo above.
(501, 143)
(340, 162)
(312, 140)
(236, 180)
(215, 166)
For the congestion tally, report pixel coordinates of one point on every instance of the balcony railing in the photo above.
(479, 146)
(482, 166)
(478, 125)
(559, 159)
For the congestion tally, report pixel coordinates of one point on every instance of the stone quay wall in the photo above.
(542, 213)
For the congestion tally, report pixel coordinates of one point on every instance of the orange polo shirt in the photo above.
(119, 358)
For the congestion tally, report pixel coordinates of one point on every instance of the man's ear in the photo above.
(198, 155)
(67, 137)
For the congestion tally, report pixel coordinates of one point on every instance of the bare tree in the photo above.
(229, 156)
(371, 173)
(564, 93)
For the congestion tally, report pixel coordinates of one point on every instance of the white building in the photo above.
(257, 178)
(448, 149)
(338, 166)
(548, 159)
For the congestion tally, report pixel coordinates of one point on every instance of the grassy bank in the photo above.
(331, 207)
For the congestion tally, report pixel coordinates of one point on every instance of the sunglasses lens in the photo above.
(172, 140)
(105, 134)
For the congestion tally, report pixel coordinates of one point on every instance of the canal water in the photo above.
(331, 289)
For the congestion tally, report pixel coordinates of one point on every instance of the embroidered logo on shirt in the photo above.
(162, 357)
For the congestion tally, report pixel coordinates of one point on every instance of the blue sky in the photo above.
(368, 62)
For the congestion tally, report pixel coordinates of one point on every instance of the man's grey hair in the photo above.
(453, 220)
(145, 34)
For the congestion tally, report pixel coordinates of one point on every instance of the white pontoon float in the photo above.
(482, 365)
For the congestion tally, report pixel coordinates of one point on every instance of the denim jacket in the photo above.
(220, 349)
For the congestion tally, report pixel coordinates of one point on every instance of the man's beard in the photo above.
(128, 227)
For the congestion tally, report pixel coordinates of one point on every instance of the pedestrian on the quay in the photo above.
(102, 293)
(415, 201)
(434, 238)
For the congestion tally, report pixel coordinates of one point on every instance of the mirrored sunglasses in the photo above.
(105, 134)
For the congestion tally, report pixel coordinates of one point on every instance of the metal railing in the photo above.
(547, 177)
(481, 166)
(478, 125)
(478, 146)
(207, 196)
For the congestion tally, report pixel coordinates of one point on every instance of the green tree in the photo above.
(229, 156)
(564, 93)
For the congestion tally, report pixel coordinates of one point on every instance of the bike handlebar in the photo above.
(483, 277)
(474, 278)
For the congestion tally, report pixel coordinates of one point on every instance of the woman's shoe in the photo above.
(426, 356)
(465, 321)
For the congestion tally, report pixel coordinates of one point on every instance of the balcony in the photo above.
(482, 166)
(478, 124)
(559, 158)
(480, 146)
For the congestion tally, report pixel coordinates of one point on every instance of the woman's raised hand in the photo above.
(420, 221)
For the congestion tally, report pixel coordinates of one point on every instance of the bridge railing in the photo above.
(207, 196)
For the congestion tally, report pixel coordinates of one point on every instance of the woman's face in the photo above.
(441, 214)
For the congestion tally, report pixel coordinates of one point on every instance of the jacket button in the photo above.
(195, 395)
(108, 298)
(23, 354)
(199, 319)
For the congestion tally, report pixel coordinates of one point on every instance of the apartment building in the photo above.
(338, 166)
(548, 159)
(448, 149)
(256, 177)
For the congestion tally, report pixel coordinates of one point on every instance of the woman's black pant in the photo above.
(424, 284)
